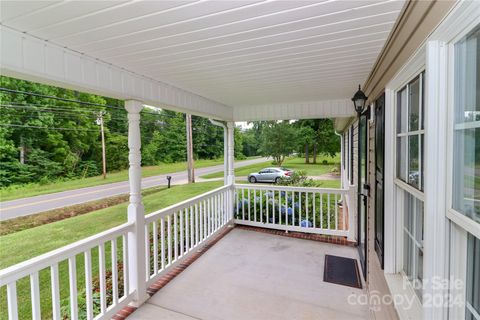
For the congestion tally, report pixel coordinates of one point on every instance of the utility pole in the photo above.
(104, 158)
(190, 169)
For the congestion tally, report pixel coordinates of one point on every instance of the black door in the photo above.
(363, 188)
(379, 170)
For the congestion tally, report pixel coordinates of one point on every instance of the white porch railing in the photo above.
(173, 233)
(311, 210)
(67, 259)
(102, 262)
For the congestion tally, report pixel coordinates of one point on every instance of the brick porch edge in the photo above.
(164, 280)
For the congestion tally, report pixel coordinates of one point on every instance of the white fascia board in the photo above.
(343, 123)
(298, 110)
(26, 57)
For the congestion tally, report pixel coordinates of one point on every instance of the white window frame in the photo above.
(440, 57)
(395, 189)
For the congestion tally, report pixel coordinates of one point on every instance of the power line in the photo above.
(58, 98)
(46, 128)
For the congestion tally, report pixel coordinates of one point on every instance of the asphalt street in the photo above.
(46, 202)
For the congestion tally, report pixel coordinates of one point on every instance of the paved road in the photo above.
(28, 206)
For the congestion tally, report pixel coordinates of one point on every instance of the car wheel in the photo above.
(277, 179)
(252, 180)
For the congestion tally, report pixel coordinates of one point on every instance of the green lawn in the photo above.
(293, 163)
(26, 244)
(30, 190)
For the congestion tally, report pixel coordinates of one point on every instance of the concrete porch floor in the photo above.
(253, 275)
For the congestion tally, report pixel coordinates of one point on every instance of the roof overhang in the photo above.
(229, 60)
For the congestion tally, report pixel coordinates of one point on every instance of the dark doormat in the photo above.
(341, 270)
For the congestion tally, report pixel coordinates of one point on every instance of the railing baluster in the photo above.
(314, 212)
(72, 275)
(201, 219)
(197, 227)
(236, 205)
(169, 237)
(243, 204)
(261, 205)
(35, 296)
(187, 230)
(336, 212)
(114, 272)
(12, 301)
(101, 271)
(55, 285)
(192, 229)
(306, 209)
(321, 210)
(248, 190)
(328, 210)
(299, 209)
(344, 205)
(215, 212)
(126, 288)
(254, 205)
(293, 208)
(155, 247)
(279, 207)
(175, 236)
(88, 284)
(147, 252)
(162, 243)
(267, 199)
(182, 239)
(273, 206)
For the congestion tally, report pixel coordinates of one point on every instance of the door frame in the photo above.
(379, 247)
(362, 199)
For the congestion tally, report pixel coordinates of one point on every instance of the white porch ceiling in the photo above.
(249, 56)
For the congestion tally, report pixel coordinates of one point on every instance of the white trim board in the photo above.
(26, 57)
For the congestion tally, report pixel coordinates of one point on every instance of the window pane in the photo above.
(413, 161)
(402, 111)
(402, 158)
(467, 82)
(473, 278)
(466, 170)
(413, 241)
(414, 105)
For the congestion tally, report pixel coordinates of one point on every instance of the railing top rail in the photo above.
(45, 260)
(288, 188)
(184, 204)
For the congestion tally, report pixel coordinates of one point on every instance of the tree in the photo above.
(279, 140)
(328, 142)
(306, 137)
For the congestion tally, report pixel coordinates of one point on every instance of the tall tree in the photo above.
(279, 140)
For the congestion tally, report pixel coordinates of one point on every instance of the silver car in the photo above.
(269, 175)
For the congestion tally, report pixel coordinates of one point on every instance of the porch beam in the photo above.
(30, 58)
(136, 211)
(295, 110)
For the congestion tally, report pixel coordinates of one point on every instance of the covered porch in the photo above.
(228, 61)
(256, 275)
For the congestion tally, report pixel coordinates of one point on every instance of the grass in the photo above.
(294, 163)
(35, 220)
(35, 189)
(26, 244)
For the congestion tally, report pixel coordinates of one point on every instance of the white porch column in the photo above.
(136, 211)
(231, 152)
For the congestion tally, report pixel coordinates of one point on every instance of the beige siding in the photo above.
(416, 22)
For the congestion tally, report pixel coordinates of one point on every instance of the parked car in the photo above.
(269, 175)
